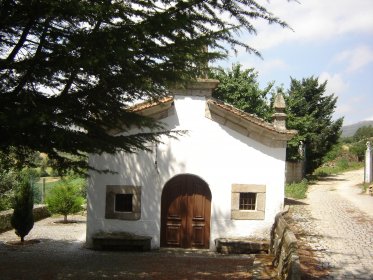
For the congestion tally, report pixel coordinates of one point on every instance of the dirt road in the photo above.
(337, 223)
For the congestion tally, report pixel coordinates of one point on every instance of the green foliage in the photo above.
(80, 184)
(8, 182)
(310, 112)
(240, 88)
(347, 140)
(363, 133)
(333, 153)
(297, 190)
(70, 69)
(358, 149)
(16, 159)
(23, 219)
(65, 199)
(49, 185)
(364, 187)
(341, 165)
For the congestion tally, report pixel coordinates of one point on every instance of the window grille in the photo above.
(247, 201)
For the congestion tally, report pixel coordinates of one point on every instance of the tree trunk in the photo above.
(65, 219)
(22, 239)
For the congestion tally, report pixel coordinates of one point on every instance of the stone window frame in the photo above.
(259, 212)
(112, 191)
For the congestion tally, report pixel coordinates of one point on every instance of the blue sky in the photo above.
(332, 40)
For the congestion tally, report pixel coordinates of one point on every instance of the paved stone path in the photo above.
(339, 222)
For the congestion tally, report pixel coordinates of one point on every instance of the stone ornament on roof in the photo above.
(279, 117)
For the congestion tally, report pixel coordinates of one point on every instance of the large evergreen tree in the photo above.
(69, 69)
(240, 88)
(310, 111)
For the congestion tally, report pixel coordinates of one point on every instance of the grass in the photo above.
(297, 190)
(364, 187)
(49, 184)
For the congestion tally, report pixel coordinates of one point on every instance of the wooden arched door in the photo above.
(185, 213)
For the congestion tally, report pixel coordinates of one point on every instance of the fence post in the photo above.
(368, 170)
(43, 192)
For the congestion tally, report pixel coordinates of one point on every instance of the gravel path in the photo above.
(60, 254)
(339, 225)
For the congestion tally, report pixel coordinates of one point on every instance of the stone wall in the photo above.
(294, 172)
(40, 212)
(284, 248)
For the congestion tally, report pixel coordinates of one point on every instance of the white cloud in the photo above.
(314, 20)
(264, 66)
(335, 83)
(356, 58)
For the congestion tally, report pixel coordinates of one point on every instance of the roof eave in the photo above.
(246, 124)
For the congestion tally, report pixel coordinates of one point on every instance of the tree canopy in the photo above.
(240, 88)
(363, 133)
(310, 111)
(70, 69)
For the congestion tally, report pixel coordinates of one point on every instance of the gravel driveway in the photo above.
(56, 251)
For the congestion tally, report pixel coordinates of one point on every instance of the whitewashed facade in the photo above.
(231, 151)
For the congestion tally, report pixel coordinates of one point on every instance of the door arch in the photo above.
(185, 212)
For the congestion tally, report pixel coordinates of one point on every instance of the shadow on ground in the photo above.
(54, 259)
(330, 178)
(290, 201)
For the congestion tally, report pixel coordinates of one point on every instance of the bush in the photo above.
(335, 152)
(8, 182)
(297, 190)
(23, 218)
(359, 149)
(65, 199)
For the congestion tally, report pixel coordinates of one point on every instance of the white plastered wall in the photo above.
(215, 153)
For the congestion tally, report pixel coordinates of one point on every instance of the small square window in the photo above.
(247, 201)
(123, 202)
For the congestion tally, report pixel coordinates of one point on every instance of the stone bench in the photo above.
(121, 241)
(241, 246)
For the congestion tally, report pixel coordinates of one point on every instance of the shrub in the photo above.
(8, 182)
(23, 218)
(65, 199)
(359, 149)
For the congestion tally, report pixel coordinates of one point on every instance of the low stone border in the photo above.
(284, 248)
(40, 212)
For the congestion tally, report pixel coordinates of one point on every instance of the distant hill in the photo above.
(349, 130)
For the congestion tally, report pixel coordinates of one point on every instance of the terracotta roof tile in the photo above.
(248, 117)
(150, 104)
